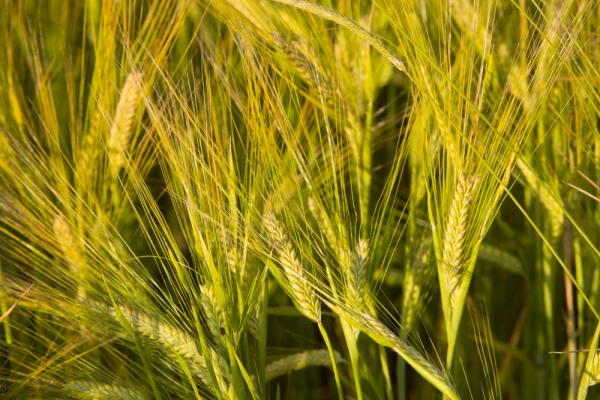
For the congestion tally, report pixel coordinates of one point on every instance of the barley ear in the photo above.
(70, 252)
(120, 133)
(222, 374)
(170, 338)
(308, 66)
(454, 257)
(295, 362)
(89, 390)
(385, 337)
(301, 291)
(458, 254)
(415, 284)
(6, 154)
(215, 317)
(357, 275)
(349, 24)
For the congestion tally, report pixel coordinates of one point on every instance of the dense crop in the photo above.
(288, 199)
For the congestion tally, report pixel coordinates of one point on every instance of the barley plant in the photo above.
(299, 199)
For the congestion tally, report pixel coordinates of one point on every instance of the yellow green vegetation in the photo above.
(299, 199)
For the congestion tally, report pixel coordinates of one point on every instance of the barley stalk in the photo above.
(353, 264)
(254, 323)
(296, 362)
(66, 241)
(252, 288)
(301, 290)
(412, 297)
(552, 206)
(325, 224)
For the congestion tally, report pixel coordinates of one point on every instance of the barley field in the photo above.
(299, 199)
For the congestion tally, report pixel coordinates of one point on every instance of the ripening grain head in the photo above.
(301, 289)
(121, 131)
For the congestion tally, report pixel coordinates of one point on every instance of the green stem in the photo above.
(206, 353)
(6, 322)
(333, 361)
(353, 352)
(401, 374)
(262, 339)
(386, 373)
(365, 171)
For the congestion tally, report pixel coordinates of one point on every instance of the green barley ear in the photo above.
(357, 275)
(301, 290)
(121, 131)
(296, 362)
(349, 24)
(90, 390)
(303, 58)
(384, 336)
(352, 266)
(352, 263)
(454, 258)
(416, 283)
(70, 251)
(221, 369)
(6, 153)
(215, 318)
(179, 343)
